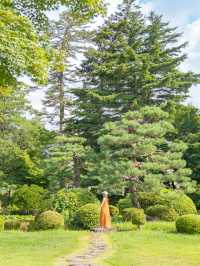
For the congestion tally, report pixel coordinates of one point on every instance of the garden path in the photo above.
(97, 247)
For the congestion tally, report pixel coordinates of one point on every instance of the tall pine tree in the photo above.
(131, 61)
(137, 155)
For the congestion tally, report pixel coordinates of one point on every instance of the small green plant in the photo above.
(114, 211)
(189, 224)
(48, 220)
(162, 213)
(86, 217)
(138, 217)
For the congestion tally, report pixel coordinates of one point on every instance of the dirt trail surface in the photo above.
(96, 248)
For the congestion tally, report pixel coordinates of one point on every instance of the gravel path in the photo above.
(96, 247)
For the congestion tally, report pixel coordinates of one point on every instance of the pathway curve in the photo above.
(96, 248)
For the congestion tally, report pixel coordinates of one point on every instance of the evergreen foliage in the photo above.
(135, 60)
(137, 154)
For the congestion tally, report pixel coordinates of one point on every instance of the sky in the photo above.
(185, 14)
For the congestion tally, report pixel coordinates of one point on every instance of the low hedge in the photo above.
(86, 217)
(120, 227)
(189, 224)
(12, 224)
(162, 213)
(48, 220)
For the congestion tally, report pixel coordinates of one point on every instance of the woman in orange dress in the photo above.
(105, 220)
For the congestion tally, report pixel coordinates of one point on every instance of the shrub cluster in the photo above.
(86, 217)
(177, 200)
(189, 224)
(162, 213)
(48, 220)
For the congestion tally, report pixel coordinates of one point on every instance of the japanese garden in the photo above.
(106, 171)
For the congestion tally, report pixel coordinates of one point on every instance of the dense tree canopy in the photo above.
(115, 94)
(134, 59)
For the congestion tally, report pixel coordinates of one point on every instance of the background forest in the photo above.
(116, 120)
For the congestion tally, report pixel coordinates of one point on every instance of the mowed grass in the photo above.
(156, 245)
(37, 248)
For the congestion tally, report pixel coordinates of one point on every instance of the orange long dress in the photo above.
(105, 219)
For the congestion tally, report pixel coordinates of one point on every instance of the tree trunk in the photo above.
(77, 170)
(61, 101)
(135, 197)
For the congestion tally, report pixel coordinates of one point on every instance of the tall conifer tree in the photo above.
(131, 61)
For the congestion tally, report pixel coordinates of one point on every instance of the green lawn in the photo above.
(154, 248)
(37, 248)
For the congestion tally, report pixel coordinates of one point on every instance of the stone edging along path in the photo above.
(96, 248)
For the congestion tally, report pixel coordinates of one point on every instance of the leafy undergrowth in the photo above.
(37, 248)
(156, 244)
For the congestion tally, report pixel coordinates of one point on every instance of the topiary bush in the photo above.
(1, 223)
(138, 217)
(177, 200)
(27, 199)
(48, 220)
(124, 204)
(86, 217)
(189, 224)
(114, 211)
(162, 213)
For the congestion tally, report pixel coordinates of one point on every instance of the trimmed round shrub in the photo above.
(1, 223)
(114, 211)
(177, 200)
(28, 198)
(49, 220)
(189, 224)
(138, 217)
(120, 227)
(86, 217)
(162, 213)
(124, 203)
